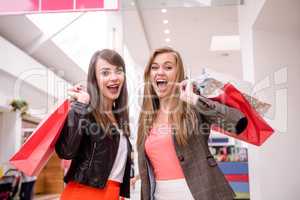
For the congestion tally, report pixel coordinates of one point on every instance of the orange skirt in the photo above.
(76, 191)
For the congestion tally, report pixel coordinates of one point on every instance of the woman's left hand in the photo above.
(187, 93)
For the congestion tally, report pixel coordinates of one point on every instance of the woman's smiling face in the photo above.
(163, 73)
(110, 79)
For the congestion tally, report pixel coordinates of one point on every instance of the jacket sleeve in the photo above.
(228, 118)
(72, 132)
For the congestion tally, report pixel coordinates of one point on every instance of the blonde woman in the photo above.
(174, 125)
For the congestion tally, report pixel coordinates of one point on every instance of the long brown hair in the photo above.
(120, 108)
(183, 117)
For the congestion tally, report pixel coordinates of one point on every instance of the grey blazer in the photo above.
(202, 174)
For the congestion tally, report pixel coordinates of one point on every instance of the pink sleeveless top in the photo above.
(160, 150)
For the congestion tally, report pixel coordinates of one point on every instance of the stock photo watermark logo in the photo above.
(51, 84)
(274, 88)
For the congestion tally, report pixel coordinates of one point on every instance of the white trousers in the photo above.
(172, 190)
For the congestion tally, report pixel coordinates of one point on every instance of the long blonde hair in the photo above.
(184, 117)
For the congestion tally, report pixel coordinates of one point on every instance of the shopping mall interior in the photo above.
(253, 44)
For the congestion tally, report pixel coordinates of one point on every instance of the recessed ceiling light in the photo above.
(167, 31)
(132, 3)
(165, 21)
(168, 40)
(163, 10)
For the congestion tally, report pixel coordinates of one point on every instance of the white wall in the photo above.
(115, 30)
(10, 136)
(271, 60)
(135, 37)
(17, 63)
(277, 58)
(247, 16)
(25, 78)
(36, 98)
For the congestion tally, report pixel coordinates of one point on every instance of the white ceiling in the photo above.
(156, 4)
(191, 31)
(191, 23)
(280, 17)
(19, 30)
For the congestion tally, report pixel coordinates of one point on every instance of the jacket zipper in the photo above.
(93, 152)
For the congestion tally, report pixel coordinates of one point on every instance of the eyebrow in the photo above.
(107, 68)
(167, 62)
(104, 68)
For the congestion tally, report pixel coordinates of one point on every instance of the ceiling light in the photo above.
(163, 10)
(167, 31)
(165, 21)
(168, 40)
(204, 2)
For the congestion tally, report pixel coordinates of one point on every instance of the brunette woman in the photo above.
(95, 135)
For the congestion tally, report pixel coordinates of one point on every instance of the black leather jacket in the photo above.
(91, 151)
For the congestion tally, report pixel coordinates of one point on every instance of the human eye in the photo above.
(169, 67)
(154, 67)
(119, 70)
(105, 72)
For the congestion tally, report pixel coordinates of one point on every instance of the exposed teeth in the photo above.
(161, 81)
(113, 88)
(161, 84)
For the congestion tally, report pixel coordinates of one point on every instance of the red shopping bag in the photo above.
(37, 150)
(257, 130)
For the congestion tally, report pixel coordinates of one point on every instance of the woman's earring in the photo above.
(114, 104)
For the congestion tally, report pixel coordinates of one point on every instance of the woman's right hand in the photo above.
(78, 92)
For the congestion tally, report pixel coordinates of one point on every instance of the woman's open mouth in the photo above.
(162, 84)
(113, 88)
